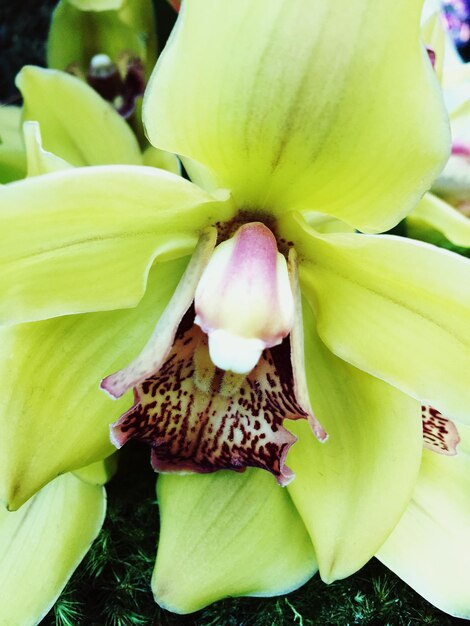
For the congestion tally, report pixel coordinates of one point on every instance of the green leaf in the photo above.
(43, 543)
(227, 534)
(429, 548)
(84, 239)
(352, 489)
(54, 417)
(287, 122)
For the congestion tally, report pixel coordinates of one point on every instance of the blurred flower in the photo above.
(113, 46)
(457, 15)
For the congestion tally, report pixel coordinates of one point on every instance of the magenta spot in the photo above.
(461, 150)
(431, 55)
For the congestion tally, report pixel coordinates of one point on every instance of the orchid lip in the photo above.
(211, 393)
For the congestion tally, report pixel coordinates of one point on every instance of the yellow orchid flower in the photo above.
(274, 127)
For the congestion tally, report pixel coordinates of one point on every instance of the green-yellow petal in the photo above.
(352, 489)
(161, 159)
(10, 126)
(99, 472)
(435, 214)
(42, 544)
(83, 239)
(434, 36)
(54, 417)
(304, 104)
(12, 164)
(454, 182)
(396, 308)
(40, 161)
(430, 546)
(227, 534)
(76, 123)
(96, 5)
(12, 155)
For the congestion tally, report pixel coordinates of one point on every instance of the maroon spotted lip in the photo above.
(199, 418)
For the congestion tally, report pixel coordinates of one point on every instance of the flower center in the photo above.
(217, 379)
(244, 300)
(119, 83)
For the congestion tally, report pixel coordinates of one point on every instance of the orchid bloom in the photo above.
(113, 47)
(290, 145)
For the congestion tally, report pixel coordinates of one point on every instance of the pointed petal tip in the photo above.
(115, 436)
(165, 594)
(110, 385)
(17, 493)
(317, 429)
(286, 476)
(118, 431)
(440, 434)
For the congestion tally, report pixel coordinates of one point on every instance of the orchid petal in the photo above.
(227, 534)
(43, 543)
(12, 156)
(434, 213)
(456, 80)
(396, 308)
(430, 546)
(40, 161)
(337, 138)
(12, 164)
(83, 239)
(54, 416)
(434, 36)
(161, 159)
(352, 489)
(162, 338)
(454, 182)
(76, 123)
(96, 5)
(10, 126)
(100, 472)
